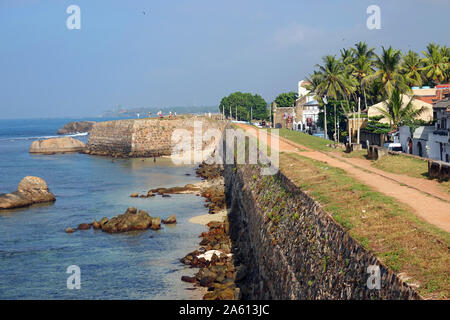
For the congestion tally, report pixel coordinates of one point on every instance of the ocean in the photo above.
(35, 250)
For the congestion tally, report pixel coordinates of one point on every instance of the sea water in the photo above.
(35, 250)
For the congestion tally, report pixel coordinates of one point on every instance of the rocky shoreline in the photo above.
(214, 258)
(212, 187)
(217, 270)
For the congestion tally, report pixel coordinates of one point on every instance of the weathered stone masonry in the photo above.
(292, 249)
(140, 138)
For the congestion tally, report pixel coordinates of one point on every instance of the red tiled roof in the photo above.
(427, 99)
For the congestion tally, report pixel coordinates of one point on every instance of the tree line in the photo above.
(357, 74)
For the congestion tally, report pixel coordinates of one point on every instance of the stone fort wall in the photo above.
(141, 137)
(292, 249)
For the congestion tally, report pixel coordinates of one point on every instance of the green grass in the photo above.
(398, 164)
(404, 242)
(403, 165)
(409, 166)
(355, 154)
(306, 140)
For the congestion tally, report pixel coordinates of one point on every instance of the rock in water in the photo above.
(76, 127)
(188, 279)
(96, 224)
(129, 221)
(30, 190)
(35, 189)
(103, 221)
(170, 220)
(156, 223)
(57, 145)
(84, 226)
(14, 200)
(134, 195)
(70, 230)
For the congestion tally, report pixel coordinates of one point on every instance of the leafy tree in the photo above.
(241, 105)
(340, 117)
(286, 99)
(373, 125)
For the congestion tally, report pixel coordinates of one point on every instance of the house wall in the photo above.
(404, 136)
(427, 115)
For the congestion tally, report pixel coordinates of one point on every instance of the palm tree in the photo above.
(347, 58)
(388, 72)
(361, 49)
(362, 68)
(411, 68)
(347, 55)
(334, 81)
(435, 63)
(397, 113)
(446, 53)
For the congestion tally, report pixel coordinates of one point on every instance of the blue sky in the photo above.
(183, 53)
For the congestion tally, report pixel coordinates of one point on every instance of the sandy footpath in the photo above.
(433, 209)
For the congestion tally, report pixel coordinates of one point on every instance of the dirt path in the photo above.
(425, 199)
(431, 187)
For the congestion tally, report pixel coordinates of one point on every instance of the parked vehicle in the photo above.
(393, 146)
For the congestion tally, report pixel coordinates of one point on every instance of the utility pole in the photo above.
(251, 114)
(271, 115)
(236, 114)
(231, 113)
(359, 114)
(325, 101)
(335, 126)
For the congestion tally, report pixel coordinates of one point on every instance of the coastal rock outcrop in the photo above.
(84, 226)
(170, 220)
(156, 223)
(211, 188)
(76, 127)
(57, 145)
(131, 220)
(30, 190)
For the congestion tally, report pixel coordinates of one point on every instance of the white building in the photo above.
(309, 109)
(430, 141)
(440, 137)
